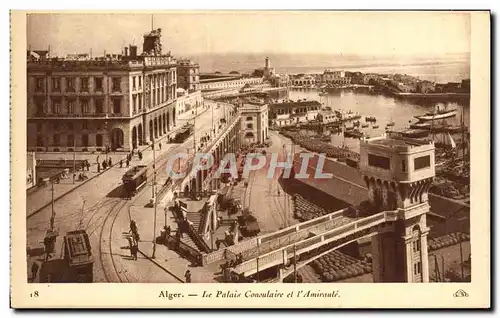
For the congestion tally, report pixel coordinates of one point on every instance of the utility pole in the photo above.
(294, 264)
(53, 216)
(154, 199)
(74, 155)
(461, 262)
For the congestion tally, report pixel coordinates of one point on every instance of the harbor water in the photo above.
(385, 109)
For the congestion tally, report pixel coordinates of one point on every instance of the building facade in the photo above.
(292, 113)
(305, 80)
(188, 75)
(187, 101)
(335, 77)
(398, 173)
(219, 84)
(254, 122)
(99, 104)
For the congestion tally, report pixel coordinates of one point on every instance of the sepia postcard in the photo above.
(250, 159)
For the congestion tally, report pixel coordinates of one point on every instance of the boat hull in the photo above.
(437, 116)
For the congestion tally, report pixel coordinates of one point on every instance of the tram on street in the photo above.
(183, 134)
(78, 256)
(134, 179)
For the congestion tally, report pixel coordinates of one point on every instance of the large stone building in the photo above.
(89, 105)
(335, 77)
(188, 75)
(187, 101)
(254, 122)
(292, 113)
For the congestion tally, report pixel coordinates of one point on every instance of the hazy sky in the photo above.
(188, 33)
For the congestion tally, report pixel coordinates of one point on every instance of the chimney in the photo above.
(125, 49)
(133, 51)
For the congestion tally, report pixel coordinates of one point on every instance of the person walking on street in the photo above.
(127, 163)
(104, 164)
(140, 155)
(98, 167)
(159, 145)
(134, 251)
(110, 163)
(34, 271)
(121, 163)
(187, 275)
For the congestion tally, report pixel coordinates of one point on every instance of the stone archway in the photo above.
(139, 134)
(134, 137)
(160, 125)
(116, 138)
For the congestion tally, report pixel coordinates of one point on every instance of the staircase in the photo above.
(188, 241)
(195, 218)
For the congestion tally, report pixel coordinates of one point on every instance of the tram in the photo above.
(134, 179)
(78, 256)
(183, 134)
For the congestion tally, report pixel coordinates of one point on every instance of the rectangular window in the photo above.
(116, 84)
(422, 162)
(379, 161)
(99, 105)
(98, 84)
(403, 165)
(39, 84)
(133, 82)
(85, 105)
(84, 84)
(56, 84)
(85, 125)
(56, 105)
(70, 84)
(117, 106)
(71, 106)
(39, 106)
(140, 81)
(134, 103)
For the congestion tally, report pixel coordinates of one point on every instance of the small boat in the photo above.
(437, 114)
(375, 126)
(415, 133)
(391, 123)
(370, 119)
(365, 126)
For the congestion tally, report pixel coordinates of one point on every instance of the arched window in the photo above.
(416, 243)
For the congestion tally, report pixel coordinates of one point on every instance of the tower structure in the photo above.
(398, 173)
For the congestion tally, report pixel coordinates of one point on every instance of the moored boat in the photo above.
(438, 114)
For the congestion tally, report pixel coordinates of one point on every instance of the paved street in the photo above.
(94, 205)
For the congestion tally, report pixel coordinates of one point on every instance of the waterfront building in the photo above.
(304, 80)
(188, 75)
(254, 122)
(368, 79)
(335, 77)
(229, 82)
(292, 113)
(398, 173)
(187, 101)
(326, 117)
(90, 105)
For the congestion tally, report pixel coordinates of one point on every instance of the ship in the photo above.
(370, 119)
(353, 134)
(438, 114)
(375, 126)
(365, 126)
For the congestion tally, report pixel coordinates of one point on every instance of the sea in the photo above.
(386, 109)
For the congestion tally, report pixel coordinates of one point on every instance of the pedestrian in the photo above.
(159, 145)
(110, 163)
(133, 227)
(217, 244)
(98, 167)
(121, 163)
(34, 271)
(140, 155)
(104, 164)
(134, 250)
(127, 163)
(187, 275)
(88, 166)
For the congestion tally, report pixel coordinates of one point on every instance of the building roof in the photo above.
(296, 104)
